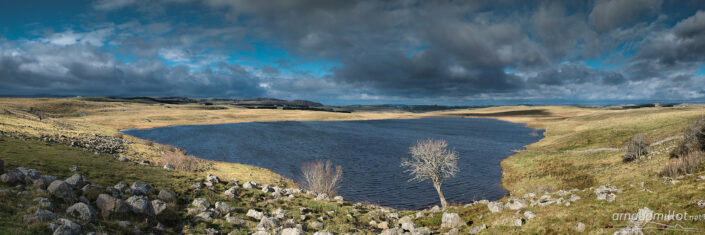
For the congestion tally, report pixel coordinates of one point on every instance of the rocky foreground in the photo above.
(76, 206)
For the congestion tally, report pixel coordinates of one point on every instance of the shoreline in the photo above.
(503, 158)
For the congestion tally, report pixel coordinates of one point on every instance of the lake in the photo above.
(370, 153)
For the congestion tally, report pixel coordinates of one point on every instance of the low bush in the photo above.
(686, 164)
(637, 148)
(321, 177)
(180, 161)
(694, 139)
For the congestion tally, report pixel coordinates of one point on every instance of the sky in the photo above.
(357, 52)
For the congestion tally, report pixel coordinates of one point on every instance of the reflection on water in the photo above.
(369, 151)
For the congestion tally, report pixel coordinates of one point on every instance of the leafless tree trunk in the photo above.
(432, 160)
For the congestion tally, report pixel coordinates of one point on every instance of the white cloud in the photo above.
(173, 54)
(108, 5)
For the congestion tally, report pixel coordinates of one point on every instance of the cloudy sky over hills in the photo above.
(356, 52)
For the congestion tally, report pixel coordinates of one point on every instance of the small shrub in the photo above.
(694, 139)
(321, 177)
(686, 164)
(180, 161)
(637, 147)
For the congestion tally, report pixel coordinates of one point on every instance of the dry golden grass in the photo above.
(558, 161)
(685, 164)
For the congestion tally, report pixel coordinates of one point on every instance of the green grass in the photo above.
(54, 159)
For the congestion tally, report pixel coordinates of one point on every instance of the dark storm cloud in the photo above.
(576, 74)
(81, 69)
(380, 50)
(610, 14)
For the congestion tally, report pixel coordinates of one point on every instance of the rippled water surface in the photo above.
(369, 151)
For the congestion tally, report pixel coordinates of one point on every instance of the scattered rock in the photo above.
(252, 213)
(167, 195)
(322, 196)
(212, 180)
(223, 208)
(495, 206)
(643, 217)
(700, 177)
(453, 231)
(267, 223)
(40, 216)
(701, 203)
(108, 205)
(477, 229)
(451, 220)
(234, 220)
(81, 211)
(606, 196)
(529, 215)
(120, 186)
(139, 188)
(124, 224)
(44, 203)
(408, 226)
(140, 205)
(29, 173)
(197, 185)
(211, 231)
(41, 183)
(316, 225)
(629, 231)
(62, 190)
(671, 181)
(249, 185)
(169, 167)
(383, 225)
(231, 192)
(123, 159)
(322, 233)
(201, 203)
(435, 209)
(74, 169)
(206, 215)
(512, 221)
(67, 227)
(12, 177)
(292, 231)
(579, 227)
(516, 204)
(159, 206)
(422, 231)
(574, 198)
(606, 192)
(267, 189)
(391, 231)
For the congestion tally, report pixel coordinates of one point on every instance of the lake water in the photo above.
(369, 151)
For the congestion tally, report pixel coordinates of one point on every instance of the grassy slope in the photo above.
(53, 159)
(538, 171)
(567, 128)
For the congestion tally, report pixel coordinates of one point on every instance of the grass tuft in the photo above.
(688, 164)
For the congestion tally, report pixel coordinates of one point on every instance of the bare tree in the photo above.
(432, 160)
(637, 147)
(320, 177)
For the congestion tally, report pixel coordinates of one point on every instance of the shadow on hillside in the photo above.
(532, 112)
